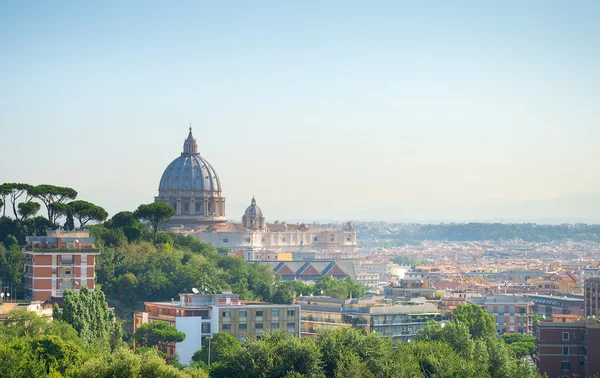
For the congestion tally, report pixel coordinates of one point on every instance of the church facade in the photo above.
(192, 187)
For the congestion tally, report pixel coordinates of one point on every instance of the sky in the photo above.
(337, 110)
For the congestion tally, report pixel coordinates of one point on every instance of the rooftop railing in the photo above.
(54, 249)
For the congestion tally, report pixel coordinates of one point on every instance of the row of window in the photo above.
(243, 314)
(243, 326)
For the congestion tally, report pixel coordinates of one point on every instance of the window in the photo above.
(291, 312)
(205, 327)
(291, 326)
(275, 313)
(565, 335)
(227, 314)
(243, 314)
(259, 325)
(226, 326)
(247, 240)
(565, 351)
(274, 325)
(243, 326)
(258, 313)
(225, 240)
(332, 239)
(316, 239)
(565, 365)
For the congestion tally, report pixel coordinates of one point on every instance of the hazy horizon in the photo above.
(324, 111)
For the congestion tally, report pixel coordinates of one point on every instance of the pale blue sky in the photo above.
(324, 110)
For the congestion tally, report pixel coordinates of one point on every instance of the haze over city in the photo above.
(324, 111)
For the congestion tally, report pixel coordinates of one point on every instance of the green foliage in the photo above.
(28, 209)
(55, 352)
(158, 334)
(337, 288)
(50, 195)
(87, 311)
(155, 213)
(85, 211)
(11, 267)
(406, 260)
(221, 345)
(480, 323)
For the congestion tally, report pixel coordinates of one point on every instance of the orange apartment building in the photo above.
(58, 261)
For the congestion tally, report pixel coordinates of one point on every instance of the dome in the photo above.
(190, 171)
(192, 187)
(253, 210)
(253, 218)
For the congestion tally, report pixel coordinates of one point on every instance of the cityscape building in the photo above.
(568, 346)
(591, 296)
(400, 322)
(57, 261)
(200, 316)
(513, 313)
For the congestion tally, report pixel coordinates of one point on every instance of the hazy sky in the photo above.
(446, 110)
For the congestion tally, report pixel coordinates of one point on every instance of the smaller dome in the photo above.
(253, 210)
(253, 218)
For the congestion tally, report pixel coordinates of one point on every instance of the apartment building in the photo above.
(411, 288)
(58, 261)
(513, 313)
(401, 322)
(591, 295)
(199, 316)
(568, 346)
(549, 305)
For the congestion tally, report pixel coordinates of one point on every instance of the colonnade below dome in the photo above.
(195, 209)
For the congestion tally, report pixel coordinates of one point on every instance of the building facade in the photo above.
(372, 314)
(568, 347)
(549, 305)
(591, 295)
(58, 261)
(199, 316)
(513, 313)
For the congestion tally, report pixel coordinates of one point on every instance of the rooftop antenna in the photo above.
(195, 291)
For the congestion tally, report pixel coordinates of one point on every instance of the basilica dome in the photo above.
(192, 187)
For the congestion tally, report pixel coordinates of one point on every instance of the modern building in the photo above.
(372, 314)
(192, 187)
(513, 313)
(410, 288)
(199, 316)
(568, 347)
(549, 305)
(591, 296)
(58, 261)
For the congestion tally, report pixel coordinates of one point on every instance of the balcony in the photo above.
(71, 275)
(67, 262)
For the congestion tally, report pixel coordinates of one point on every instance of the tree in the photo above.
(157, 334)
(50, 194)
(480, 323)
(16, 191)
(56, 352)
(4, 191)
(28, 209)
(222, 344)
(155, 213)
(128, 223)
(87, 311)
(85, 211)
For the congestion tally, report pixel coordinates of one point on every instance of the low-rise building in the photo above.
(411, 288)
(58, 261)
(38, 307)
(400, 322)
(201, 315)
(568, 346)
(549, 305)
(513, 313)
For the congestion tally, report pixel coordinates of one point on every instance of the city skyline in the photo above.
(336, 111)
